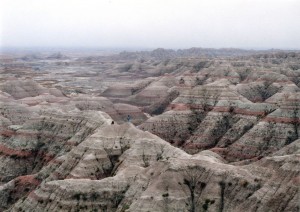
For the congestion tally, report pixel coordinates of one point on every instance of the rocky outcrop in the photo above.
(147, 172)
(26, 88)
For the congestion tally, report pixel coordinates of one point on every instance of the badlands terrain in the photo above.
(210, 130)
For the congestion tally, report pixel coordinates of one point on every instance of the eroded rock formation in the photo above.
(209, 130)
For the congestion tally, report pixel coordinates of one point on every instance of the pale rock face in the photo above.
(151, 174)
(26, 88)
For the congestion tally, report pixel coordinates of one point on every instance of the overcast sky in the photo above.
(151, 23)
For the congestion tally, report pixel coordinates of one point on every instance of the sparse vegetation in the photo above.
(145, 159)
(192, 180)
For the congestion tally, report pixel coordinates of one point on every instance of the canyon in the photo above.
(209, 130)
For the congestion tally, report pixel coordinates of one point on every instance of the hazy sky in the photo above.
(151, 23)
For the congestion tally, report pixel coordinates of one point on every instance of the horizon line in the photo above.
(108, 48)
